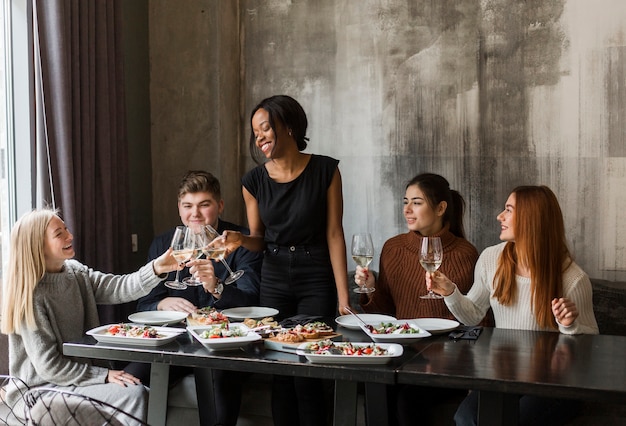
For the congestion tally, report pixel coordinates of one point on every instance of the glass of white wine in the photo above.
(363, 254)
(184, 247)
(431, 255)
(215, 248)
(192, 281)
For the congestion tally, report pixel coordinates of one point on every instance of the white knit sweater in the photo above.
(471, 309)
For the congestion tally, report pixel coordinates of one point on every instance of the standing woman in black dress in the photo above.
(294, 205)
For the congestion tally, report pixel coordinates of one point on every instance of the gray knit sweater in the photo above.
(65, 308)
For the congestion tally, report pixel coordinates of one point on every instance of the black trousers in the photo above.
(299, 280)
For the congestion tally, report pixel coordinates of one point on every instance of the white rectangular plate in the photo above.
(394, 350)
(403, 339)
(224, 343)
(167, 335)
(157, 317)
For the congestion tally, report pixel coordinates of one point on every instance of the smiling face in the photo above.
(267, 138)
(507, 220)
(419, 215)
(200, 208)
(58, 245)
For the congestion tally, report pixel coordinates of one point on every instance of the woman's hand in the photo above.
(564, 310)
(343, 309)
(364, 278)
(122, 378)
(439, 283)
(166, 263)
(233, 240)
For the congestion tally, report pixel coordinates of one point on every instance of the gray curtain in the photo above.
(81, 130)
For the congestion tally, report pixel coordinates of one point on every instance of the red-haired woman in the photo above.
(531, 283)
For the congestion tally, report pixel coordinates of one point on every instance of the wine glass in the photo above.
(363, 254)
(215, 248)
(197, 252)
(431, 256)
(183, 246)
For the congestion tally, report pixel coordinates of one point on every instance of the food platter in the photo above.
(224, 343)
(157, 317)
(166, 335)
(393, 350)
(401, 338)
(436, 325)
(291, 347)
(254, 312)
(352, 323)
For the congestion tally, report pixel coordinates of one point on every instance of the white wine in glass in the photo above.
(183, 248)
(216, 249)
(191, 281)
(363, 254)
(431, 255)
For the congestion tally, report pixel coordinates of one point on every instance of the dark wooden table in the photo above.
(186, 351)
(503, 364)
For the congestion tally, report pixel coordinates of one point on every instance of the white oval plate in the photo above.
(254, 312)
(402, 339)
(224, 343)
(394, 350)
(166, 335)
(349, 321)
(157, 317)
(436, 325)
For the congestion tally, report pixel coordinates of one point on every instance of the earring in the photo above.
(290, 134)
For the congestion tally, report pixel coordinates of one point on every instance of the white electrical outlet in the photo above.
(134, 244)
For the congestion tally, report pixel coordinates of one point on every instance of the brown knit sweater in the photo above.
(402, 279)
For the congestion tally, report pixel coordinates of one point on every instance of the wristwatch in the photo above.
(219, 288)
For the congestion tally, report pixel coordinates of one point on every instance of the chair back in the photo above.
(52, 407)
(7, 413)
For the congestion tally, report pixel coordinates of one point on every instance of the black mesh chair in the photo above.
(55, 407)
(7, 413)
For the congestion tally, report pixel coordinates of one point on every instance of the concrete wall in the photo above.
(490, 94)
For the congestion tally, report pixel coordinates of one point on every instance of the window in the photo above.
(16, 118)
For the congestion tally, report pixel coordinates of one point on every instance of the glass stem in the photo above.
(230, 271)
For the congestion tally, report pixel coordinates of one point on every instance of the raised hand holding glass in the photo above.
(215, 248)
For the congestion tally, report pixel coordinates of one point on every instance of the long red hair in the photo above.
(539, 245)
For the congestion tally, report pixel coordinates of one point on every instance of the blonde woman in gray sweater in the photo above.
(48, 299)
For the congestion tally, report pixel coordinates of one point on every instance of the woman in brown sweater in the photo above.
(431, 208)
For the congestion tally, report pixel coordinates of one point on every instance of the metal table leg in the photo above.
(159, 386)
(345, 403)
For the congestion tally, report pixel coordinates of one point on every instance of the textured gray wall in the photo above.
(490, 94)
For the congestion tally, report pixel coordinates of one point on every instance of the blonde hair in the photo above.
(26, 267)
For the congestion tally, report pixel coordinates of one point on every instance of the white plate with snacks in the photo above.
(254, 312)
(137, 334)
(351, 322)
(338, 356)
(436, 325)
(157, 317)
(395, 331)
(220, 337)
